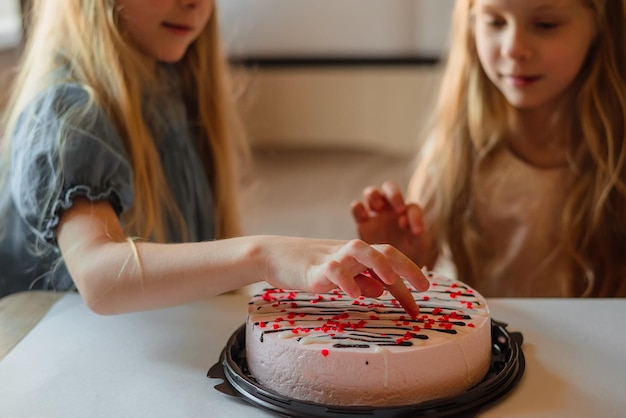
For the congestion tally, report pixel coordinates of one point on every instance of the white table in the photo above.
(154, 364)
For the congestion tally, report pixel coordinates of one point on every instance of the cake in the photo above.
(333, 350)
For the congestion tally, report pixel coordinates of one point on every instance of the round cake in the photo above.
(333, 350)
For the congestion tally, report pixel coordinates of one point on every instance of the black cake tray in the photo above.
(506, 369)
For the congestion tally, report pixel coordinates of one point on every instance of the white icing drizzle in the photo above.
(322, 339)
(385, 354)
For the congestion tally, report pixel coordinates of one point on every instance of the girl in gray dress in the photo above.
(120, 162)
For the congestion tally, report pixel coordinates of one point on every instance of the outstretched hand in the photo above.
(384, 217)
(354, 266)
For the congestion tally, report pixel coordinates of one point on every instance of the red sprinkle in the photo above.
(324, 352)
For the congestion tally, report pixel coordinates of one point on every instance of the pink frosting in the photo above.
(330, 349)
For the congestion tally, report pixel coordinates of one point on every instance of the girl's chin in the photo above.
(523, 103)
(171, 59)
(171, 56)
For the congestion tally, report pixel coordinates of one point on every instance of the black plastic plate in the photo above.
(507, 367)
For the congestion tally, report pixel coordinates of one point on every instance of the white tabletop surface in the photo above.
(154, 364)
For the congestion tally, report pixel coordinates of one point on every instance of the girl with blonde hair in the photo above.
(120, 168)
(522, 183)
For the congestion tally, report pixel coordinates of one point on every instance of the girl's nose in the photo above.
(516, 44)
(190, 4)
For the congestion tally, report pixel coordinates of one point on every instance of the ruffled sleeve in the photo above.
(65, 146)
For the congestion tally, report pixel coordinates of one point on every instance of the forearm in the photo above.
(114, 278)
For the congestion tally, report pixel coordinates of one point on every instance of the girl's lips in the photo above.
(177, 29)
(521, 80)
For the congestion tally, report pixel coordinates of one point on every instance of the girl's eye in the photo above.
(496, 23)
(493, 21)
(546, 25)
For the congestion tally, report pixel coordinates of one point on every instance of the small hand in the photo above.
(384, 217)
(321, 265)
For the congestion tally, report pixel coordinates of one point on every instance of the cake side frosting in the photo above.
(331, 349)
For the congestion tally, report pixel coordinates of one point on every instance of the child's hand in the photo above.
(357, 268)
(384, 217)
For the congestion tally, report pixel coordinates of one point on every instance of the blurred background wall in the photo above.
(10, 24)
(337, 73)
(335, 28)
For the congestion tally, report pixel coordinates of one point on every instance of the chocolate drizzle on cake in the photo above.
(448, 308)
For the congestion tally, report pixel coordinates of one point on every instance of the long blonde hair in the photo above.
(471, 120)
(83, 37)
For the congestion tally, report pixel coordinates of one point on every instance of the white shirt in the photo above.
(517, 210)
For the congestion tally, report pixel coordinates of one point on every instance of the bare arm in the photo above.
(115, 275)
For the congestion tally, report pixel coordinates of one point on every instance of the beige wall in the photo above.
(379, 108)
(10, 24)
(331, 28)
